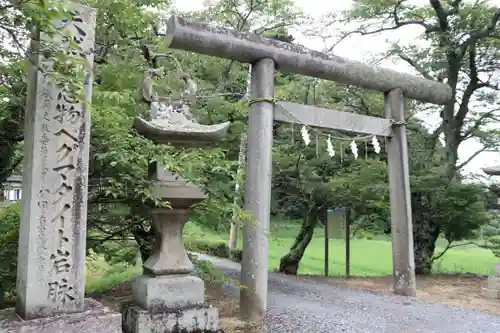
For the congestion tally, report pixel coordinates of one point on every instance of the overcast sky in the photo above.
(364, 48)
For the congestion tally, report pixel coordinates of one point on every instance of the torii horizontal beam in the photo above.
(327, 118)
(248, 48)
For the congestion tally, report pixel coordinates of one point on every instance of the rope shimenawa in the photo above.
(312, 129)
(305, 127)
(274, 101)
(192, 89)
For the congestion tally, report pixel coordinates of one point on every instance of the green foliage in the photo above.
(116, 253)
(491, 233)
(9, 234)
(304, 176)
(11, 119)
(207, 271)
(214, 248)
(456, 37)
(492, 228)
(118, 205)
(236, 255)
(460, 210)
(493, 244)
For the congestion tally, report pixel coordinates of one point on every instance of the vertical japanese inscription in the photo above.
(63, 156)
(60, 288)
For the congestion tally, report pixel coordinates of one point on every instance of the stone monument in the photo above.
(167, 298)
(52, 235)
(493, 288)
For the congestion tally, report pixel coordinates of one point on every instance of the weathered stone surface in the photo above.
(171, 121)
(258, 183)
(497, 269)
(54, 208)
(204, 38)
(169, 292)
(494, 283)
(94, 318)
(194, 320)
(180, 193)
(491, 293)
(169, 255)
(196, 135)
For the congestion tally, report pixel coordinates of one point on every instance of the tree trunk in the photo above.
(145, 240)
(233, 233)
(424, 244)
(425, 234)
(289, 263)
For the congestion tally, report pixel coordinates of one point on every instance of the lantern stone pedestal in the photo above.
(167, 298)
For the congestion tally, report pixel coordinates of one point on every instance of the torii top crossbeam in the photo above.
(248, 48)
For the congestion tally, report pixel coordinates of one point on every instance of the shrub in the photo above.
(235, 255)
(116, 252)
(216, 249)
(493, 243)
(9, 233)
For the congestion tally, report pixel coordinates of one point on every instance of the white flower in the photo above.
(354, 149)
(329, 147)
(375, 144)
(305, 135)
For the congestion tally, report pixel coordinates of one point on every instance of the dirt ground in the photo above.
(461, 291)
(228, 306)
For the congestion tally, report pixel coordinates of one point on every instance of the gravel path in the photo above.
(296, 305)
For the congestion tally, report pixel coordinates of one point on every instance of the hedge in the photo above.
(9, 233)
(216, 249)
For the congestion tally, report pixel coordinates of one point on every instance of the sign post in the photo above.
(326, 244)
(337, 226)
(347, 243)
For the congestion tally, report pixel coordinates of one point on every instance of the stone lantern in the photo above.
(167, 298)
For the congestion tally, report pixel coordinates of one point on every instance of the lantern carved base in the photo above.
(167, 298)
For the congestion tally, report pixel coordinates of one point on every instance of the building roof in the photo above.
(14, 179)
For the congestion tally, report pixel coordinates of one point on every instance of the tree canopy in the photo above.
(459, 45)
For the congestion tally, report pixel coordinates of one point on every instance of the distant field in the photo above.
(368, 257)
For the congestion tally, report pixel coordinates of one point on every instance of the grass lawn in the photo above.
(368, 257)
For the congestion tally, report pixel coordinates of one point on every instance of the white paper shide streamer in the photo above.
(305, 135)
(375, 144)
(329, 147)
(354, 149)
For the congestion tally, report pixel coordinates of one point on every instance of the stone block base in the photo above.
(163, 293)
(191, 320)
(95, 318)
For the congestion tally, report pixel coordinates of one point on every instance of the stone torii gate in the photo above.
(266, 56)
